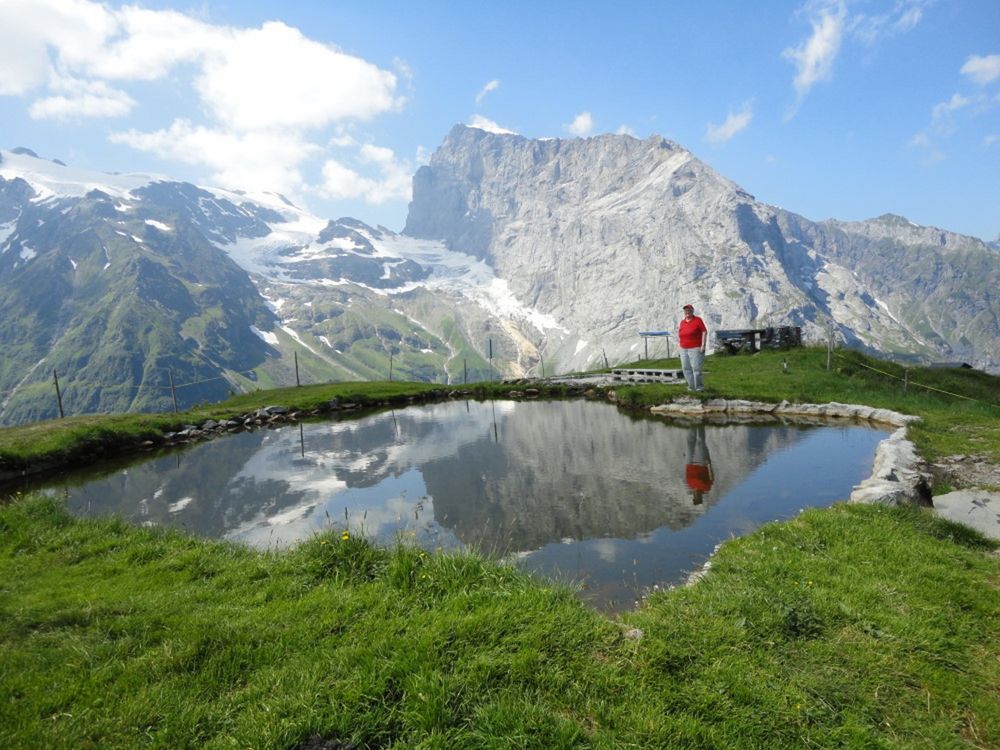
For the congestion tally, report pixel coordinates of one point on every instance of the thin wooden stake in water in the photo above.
(297, 384)
(173, 391)
(58, 395)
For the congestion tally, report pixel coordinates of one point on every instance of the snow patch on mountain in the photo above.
(51, 180)
(266, 336)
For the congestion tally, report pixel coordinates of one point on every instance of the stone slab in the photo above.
(979, 509)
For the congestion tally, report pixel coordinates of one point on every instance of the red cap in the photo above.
(688, 307)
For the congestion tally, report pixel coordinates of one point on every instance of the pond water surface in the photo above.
(573, 490)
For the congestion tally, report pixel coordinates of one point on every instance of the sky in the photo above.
(842, 109)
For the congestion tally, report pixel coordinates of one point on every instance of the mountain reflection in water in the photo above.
(576, 490)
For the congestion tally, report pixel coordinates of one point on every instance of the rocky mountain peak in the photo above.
(610, 234)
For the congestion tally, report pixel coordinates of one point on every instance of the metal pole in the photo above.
(297, 384)
(606, 365)
(542, 360)
(645, 341)
(55, 377)
(491, 360)
(465, 371)
(390, 367)
(173, 392)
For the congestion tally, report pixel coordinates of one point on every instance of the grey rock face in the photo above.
(611, 235)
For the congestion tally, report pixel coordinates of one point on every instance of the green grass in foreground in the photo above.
(855, 626)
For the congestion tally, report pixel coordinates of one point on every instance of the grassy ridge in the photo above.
(968, 422)
(849, 627)
(960, 415)
(67, 439)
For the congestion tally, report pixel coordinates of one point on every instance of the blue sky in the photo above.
(840, 109)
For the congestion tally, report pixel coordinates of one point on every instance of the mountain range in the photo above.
(519, 257)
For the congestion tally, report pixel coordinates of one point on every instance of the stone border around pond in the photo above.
(899, 476)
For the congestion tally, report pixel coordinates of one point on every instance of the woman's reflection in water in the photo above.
(698, 472)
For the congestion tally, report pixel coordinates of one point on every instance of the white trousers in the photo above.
(691, 360)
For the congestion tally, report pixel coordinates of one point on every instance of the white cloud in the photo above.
(831, 24)
(942, 112)
(582, 125)
(29, 29)
(275, 77)
(262, 89)
(982, 69)
(377, 154)
(82, 99)
(250, 161)
(624, 129)
(394, 180)
(396, 176)
(904, 16)
(343, 140)
(991, 139)
(340, 181)
(491, 86)
(735, 122)
(478, 121)
(249, 79)
(814, 58)
(148, 44)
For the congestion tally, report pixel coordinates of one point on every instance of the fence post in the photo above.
(173, 391)
(297, 384)
(829, 349)
(55, 377)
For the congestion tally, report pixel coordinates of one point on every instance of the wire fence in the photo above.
(907, 382)
(173, 387)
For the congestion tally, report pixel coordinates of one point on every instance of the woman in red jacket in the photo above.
(692, 335)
